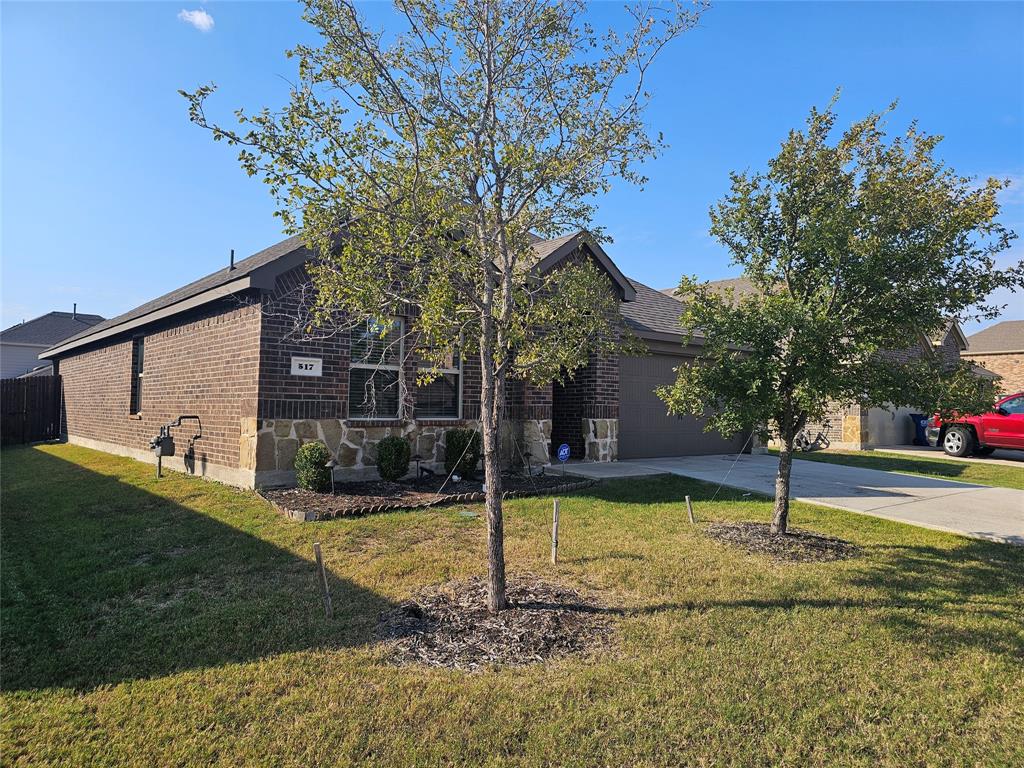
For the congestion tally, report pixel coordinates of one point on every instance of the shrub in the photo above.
(392, 458)
(455, 444)
(310, 472)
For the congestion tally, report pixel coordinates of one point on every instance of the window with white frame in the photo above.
(374, 384)
(441, 398)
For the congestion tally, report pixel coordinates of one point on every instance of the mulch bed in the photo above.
(795, 546)
(449, 626)
(366, 497)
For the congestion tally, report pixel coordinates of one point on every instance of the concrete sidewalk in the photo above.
(995, 514)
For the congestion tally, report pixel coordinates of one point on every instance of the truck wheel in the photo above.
(958, 441)
(984, 450)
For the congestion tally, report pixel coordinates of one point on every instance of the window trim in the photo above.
(456, 371)
(380, 367)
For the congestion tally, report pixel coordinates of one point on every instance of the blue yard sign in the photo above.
(563, 452)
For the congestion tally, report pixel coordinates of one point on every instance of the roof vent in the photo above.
(232, 264)
(74, 312)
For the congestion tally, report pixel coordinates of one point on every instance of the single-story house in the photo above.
(21, 344)
(854, 427)
(222, 348)
(1000, 349)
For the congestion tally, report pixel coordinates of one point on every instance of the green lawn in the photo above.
(965, 471)
(177, 622)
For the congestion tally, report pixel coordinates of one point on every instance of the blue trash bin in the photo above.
(920, 426)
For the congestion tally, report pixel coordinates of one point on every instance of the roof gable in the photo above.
(550, 252)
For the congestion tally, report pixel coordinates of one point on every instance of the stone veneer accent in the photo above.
(268, 446)
(601, 437)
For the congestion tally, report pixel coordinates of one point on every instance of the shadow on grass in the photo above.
(664, 489)
(104, 582)
(909, 465)
(969, 594)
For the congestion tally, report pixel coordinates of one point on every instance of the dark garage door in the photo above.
(645, 429)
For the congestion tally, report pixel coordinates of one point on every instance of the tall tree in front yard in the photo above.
(855, 247)
(443, 149)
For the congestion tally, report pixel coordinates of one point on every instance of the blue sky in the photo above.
(111, 197)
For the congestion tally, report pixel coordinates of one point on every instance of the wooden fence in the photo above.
(30, 409)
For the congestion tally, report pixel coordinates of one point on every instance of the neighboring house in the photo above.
(21, 345)
(1000, 349)
(222, 348)
(855, 427)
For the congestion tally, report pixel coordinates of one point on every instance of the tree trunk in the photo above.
(780, 517)
(496, 598)
(491, 401)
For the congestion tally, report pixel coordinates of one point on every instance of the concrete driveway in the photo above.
(979, 511)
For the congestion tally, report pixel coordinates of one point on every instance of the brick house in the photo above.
(854, 427)
(222, 348)
(1000, 349)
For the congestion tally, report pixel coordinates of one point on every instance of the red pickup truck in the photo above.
(1002, 427)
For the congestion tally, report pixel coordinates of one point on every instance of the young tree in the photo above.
(444, 150)
(854, 248)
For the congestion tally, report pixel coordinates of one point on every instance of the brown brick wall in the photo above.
(592, 393)
(1009, 367)
(203, 363)
(230, 364)
(283, 396)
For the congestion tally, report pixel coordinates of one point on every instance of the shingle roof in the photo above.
(50, 328)
(214, 280)
(1007, 336)
(544, 248)
(652, 311)
(740, 286)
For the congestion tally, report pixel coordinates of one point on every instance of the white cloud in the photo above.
(198, 18)
(1015, 192)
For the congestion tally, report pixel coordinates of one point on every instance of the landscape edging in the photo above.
(459, 498)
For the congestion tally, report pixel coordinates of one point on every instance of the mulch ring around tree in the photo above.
(795, 546)
(367, 497)
(449, 625)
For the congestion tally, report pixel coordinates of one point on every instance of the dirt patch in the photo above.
(449, 626)
(360, 498)
(796, 546)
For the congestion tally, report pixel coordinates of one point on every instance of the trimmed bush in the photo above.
(455, 443)
(310, 472)
(392, 458)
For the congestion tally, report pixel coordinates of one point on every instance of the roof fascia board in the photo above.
(23, 344)
(972, 352)
(549, 261)
(227, 289)
(662, 336)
